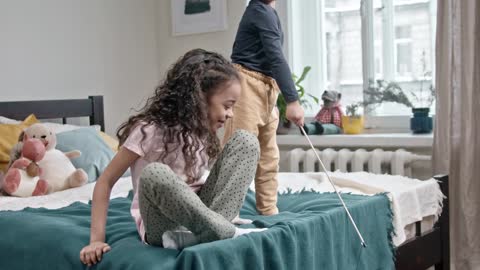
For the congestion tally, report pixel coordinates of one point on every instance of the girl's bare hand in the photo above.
(92, 253)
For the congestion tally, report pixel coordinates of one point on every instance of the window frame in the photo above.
(388, 57)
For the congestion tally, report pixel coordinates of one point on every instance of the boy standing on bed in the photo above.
(257, 55)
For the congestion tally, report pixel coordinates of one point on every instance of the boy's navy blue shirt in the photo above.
(258, 46)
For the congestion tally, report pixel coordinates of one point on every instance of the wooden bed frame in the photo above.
(431, 248)
(427, 249)
(91, 107)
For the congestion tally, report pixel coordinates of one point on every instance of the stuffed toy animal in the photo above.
(54, 167)
(23, 177)
(329, 119)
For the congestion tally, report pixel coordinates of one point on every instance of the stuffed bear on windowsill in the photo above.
(329, 119)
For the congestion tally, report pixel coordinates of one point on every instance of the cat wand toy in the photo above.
(338, 194)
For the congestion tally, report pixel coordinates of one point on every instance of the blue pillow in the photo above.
(96, 154)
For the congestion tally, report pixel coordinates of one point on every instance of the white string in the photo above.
(338, 194)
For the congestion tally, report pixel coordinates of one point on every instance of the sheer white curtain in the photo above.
(304, 44)
(457, 131)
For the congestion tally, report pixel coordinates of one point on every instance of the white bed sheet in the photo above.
(412, 200)
(63, 198)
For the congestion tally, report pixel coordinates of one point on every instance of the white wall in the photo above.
(170, 48)
(121, 49)
(53, 49)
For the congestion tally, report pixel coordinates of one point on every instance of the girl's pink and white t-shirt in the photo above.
(150, 148)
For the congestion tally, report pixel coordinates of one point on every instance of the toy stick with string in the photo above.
(338, 194)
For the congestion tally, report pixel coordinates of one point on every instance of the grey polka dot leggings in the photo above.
(168, 203)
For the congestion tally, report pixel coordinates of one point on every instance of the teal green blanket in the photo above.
(312, 231)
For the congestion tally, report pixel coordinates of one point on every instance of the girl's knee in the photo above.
(154, 174)
(247, 140)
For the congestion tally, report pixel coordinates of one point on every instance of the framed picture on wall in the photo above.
(198, 16)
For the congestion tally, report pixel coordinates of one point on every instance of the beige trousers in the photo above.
(255, 112)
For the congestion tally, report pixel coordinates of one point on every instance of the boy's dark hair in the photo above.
(179, 106)
(267, 1)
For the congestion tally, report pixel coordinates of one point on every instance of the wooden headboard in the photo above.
(91, 107)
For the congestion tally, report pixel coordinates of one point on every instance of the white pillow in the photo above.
(5, 120)
(59, 128)
(56, 127)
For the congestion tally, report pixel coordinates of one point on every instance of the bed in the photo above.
(311, 232)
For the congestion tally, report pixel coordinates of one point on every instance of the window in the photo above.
(344, 52)
(350, 42)
(403, 46)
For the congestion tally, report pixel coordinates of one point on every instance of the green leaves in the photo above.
(303, 100)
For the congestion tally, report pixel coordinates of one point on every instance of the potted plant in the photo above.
(420, 102)
(303, 98)
(421, 122)
(353, 121)
(378, 91)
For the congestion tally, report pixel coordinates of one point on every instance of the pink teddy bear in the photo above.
(42, 169)
(26, 169)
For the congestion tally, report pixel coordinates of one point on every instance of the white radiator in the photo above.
(345, 160)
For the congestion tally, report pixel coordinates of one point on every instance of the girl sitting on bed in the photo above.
(168, 146)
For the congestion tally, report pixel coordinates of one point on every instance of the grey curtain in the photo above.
(457, 130)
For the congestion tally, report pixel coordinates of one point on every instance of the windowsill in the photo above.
(397, 140)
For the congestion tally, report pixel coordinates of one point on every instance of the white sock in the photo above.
(178, 239)
(183, 239)
(240, 221)
(240, 231)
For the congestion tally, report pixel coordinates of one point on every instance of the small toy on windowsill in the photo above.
(329, 119)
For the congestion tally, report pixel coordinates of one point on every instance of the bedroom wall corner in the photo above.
(68, 49)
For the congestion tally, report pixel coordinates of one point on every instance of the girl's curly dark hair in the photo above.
(179, 106)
